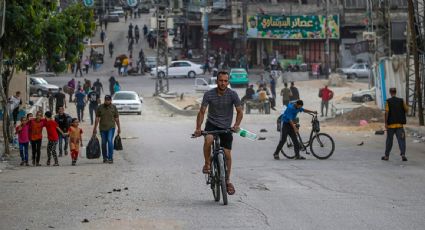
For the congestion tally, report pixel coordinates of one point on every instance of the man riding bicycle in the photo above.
(220, 101)
(289, 128)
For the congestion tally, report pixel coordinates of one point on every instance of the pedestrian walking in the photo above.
(286, 94)
(80, 101)
(294, 91)
(395, 118)
(98, 87)
(36, 135)
(111, 49)
(22, 130)
(273, 92)
(53, 138)
(106, 23)
(136, 34)
(86, 86)
(111, 85)
(14, 103)
(125, 16)
(102, 36)
(78, 68)
(71, 89)
(326, 94)
(106, 119)
(289, 127)
(51, 100)
(87, 64)
(145, 31)
(64, 122)
(75, 140)
(94, 100)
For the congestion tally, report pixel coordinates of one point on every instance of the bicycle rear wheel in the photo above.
(222, 172)
(288, 149)
(215, 181)
(322, 146)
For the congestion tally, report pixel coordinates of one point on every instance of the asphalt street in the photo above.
(156, 181)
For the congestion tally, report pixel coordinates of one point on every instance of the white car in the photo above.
(127, 102)
(201, 85)
(179, 69)
(356, 70)
(364, 95)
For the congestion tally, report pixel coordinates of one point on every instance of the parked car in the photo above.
(127, 102)
(120, 13)
(40, 87)
(238, 76)
(356, 70)
(201, 85)
(44, 74)
(112, 17)
(179, 69)
(364, 95)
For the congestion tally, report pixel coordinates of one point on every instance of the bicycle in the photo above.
(217, 176)
(323, 140)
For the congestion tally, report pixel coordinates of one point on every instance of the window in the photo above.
(184, 64)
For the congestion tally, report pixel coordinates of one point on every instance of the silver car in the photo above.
(40, 87)
(356, 70)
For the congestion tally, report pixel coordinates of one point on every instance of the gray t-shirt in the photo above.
(220, 108)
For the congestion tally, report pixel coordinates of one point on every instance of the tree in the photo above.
(33, 31)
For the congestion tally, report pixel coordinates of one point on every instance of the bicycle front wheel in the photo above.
(222, 173)
(288, 149)
(322, 146)
(215, 181)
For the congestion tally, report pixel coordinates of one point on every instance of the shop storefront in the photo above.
(293, 39)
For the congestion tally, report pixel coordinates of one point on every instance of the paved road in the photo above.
(166, 190)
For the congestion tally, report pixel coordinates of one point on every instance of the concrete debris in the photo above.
(337, 80)
(263, 131)
(85, 221)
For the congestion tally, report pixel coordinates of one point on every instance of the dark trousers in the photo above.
(92, 111)
(36, 150)
(51, 151)
(15, 113)
(324, 104)
(80, 112)
(284, 132)
(23, 151)
(401, 138)
(63, 140)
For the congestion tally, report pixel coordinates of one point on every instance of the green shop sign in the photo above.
(292, 27)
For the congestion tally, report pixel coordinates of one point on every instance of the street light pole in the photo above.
(327, 60)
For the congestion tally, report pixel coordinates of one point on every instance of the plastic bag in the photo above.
(93, 148)
(117, 143)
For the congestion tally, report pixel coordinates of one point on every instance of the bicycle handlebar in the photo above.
(214, 132)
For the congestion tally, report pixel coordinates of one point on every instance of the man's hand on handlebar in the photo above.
(197, 133)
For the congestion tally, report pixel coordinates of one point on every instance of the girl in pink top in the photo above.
(23, 137)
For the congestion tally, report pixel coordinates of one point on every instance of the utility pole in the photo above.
(327, 48)
(162, 83)
(414, 48)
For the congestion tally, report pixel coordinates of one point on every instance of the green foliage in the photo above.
(34, 30)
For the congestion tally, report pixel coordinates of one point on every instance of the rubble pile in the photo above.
(353, 117)
(337, 80)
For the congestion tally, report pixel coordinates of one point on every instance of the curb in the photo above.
(175, 109)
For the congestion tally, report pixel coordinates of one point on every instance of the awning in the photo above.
(221, 31)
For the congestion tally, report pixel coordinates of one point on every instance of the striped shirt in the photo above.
(220, 108)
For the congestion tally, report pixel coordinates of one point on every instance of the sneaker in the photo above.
(60, 155)
(56, 164)
(110, 161)
(38, 164)
(385, 158)
(22, 163)
(403, 158)
(73, 163)
(26, 164)
(276, 156)
(66, 153)
(105, 161)
(48, 162)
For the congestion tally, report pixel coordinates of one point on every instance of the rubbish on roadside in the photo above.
(245, 133)
(126, 188)
(374, 119)
(363, 123)
(261, 138)
(85, 221)
(360, 144)
(263, 130)
(379, 132)
(117, 190)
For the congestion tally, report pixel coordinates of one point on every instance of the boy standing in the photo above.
(53, 137)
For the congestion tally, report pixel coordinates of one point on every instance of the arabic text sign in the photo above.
(292, 27)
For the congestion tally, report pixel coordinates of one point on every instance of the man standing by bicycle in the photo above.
(289, 128)
(220, 102)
